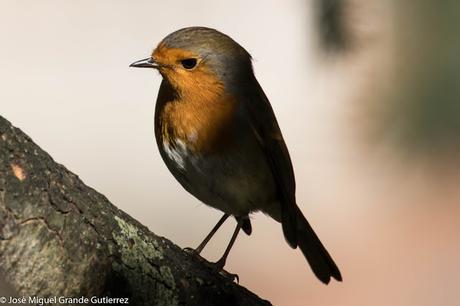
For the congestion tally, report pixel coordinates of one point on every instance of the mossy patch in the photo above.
(141, 258)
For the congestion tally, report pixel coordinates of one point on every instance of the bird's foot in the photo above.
(195, 254)
(218, 266)
(191, 251)
(230, 276)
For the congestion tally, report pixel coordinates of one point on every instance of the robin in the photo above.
(218, 135)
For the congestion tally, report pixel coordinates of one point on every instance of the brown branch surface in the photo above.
(59, 237)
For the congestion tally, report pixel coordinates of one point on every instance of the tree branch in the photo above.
(59, 237)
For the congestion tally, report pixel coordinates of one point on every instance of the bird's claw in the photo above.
(191, 251)
(217, 266)
(230, 276)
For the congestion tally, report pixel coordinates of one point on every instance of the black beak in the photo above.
(145, 63)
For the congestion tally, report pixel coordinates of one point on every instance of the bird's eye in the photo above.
(189, 63)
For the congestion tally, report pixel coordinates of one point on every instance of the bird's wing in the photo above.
(296, 228)
(268, 133)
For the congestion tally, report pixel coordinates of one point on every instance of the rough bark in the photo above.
(59, 237)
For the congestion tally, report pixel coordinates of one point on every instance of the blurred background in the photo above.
(366, 94)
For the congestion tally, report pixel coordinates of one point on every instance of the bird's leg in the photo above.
(213, 231)
(219, 265)
(209, 236)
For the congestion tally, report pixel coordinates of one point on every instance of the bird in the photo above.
(217, 133)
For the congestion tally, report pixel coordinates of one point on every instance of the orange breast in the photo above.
(205, 125)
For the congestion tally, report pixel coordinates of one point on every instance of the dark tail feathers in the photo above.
(316, 254)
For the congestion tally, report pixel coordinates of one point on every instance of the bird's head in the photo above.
(199, 59)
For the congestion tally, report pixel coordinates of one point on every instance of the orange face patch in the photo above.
(202, 112)
(171, 56)
(200, 80)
